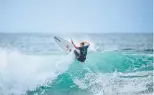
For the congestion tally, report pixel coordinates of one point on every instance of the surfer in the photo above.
(83, 51)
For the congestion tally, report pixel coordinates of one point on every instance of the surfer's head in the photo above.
(81, 44)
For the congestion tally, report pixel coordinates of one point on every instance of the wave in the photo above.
(60, 74)
(20, 73)
(93, 83)
(142, 50)
(115, 73)
(148, 50)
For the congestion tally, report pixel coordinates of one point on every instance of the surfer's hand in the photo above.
(71, 41)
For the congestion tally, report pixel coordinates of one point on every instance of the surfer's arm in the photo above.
(74, 45)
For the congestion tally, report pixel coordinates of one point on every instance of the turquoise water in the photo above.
(32, 64)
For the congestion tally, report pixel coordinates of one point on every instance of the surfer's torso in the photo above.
(83, 53)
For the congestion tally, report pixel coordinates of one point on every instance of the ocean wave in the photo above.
(20, 73)
(109, 73)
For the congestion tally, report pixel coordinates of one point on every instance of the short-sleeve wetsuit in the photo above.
(83, 53)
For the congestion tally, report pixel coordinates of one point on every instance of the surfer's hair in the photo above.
(82, 43)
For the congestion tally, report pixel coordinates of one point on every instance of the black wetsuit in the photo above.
(83, 52)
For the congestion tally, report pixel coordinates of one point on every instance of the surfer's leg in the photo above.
(76, 53)
(81, 59)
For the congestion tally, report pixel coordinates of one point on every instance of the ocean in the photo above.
(117, 64)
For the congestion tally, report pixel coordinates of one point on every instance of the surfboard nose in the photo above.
(57, 39)
(64, 45)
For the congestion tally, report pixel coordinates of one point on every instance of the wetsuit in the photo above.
(83, 52)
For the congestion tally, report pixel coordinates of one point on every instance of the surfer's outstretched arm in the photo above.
(74, 44)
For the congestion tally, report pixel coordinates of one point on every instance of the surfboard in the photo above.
(63, 44)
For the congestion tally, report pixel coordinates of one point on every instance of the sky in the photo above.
(76, 16)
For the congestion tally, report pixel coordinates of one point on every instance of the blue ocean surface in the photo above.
(117, 64)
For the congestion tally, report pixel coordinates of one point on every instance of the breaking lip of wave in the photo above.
(20, 73)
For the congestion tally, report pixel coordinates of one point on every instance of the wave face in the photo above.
(116, 64)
